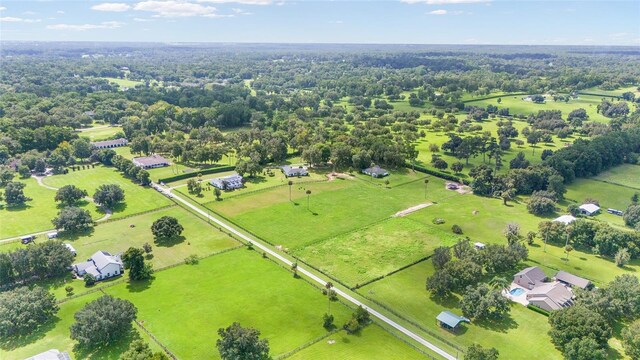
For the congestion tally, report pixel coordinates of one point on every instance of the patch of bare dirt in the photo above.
(408, 211)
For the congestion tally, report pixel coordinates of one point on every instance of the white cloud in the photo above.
(16, 19)
(83, 27)
(444, 2)
(618, 35)
(142, 20)
(2, 8)
(28, 13)
(173, 8)
(240, 11)
(115, 7)
(246, 2)
(437, 12)
(59, 12)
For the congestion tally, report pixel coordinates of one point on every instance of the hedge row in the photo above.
(538, 310)
(436, 173)
(195, 173)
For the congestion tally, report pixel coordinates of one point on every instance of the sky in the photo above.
(533, 22)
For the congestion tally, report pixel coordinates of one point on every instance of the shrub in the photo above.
(89, 280)
(438, 221)
(192, 259)
(456, 229)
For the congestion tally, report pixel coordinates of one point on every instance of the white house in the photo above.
(589, 209)
(101, 265)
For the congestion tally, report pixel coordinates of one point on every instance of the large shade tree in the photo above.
(238, 343)
(103, 321)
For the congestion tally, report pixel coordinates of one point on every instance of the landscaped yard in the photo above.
(137, 198)
(100, 132)
(186, 305)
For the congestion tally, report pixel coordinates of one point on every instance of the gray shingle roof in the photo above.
(573, 280)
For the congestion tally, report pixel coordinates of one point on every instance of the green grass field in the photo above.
(335, 207)
(371, 343)
(625, 175)
(362, 255)
(36, 214)
(518, 106)
(235, 286)
(137, 198)
(618, 92)
(609, 194)
(99, 132)
(124, 82)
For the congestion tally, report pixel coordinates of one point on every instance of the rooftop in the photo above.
(565, 219)
(154, 159)
(109, 142)
(573, 280)
(450, 319)
(591, 208)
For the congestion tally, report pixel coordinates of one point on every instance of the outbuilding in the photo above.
(589, 209)
(150, 162)
(450, 321)
(375, 171)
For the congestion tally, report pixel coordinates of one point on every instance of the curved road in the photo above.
(310, 275)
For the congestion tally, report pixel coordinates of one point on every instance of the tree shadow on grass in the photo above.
(110, 351)
(17, 208)
(15, 342)
(139, 285)
(502, 325)
(449, 301)
(169, 242)
(119, 207)
(72, 236)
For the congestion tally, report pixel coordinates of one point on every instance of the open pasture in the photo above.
(517, 105)
(334, 207)
(371, 343)
(362, 255)
(100, 132)
(626, 175)
(35, 215)
(238, 286)
(137, 198)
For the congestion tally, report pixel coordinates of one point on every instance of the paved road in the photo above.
(310, 275)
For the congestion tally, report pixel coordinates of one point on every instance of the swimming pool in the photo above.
(516, 291)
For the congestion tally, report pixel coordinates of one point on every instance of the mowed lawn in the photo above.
(363, 255)
(625, 175)
(609, 195)
(35, 215)
(371, 343)
(523, 335)
(335, 207)
(137, 198)
(56, 335)
(185, 306)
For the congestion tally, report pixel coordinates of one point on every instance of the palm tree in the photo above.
(308, 192)
(426, 182)
(290, 183)
(500, 283)
(328, 286)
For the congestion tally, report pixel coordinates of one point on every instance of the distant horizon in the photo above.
(314, 43)
(418, 22)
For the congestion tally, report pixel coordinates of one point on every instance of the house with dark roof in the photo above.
(290, 171)
(109, 144)
(571, 280)
(375, 171)
(530, 277)
(231, 182)
(450, 321)
(150, 162)
(550, 296)
(101, 265)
